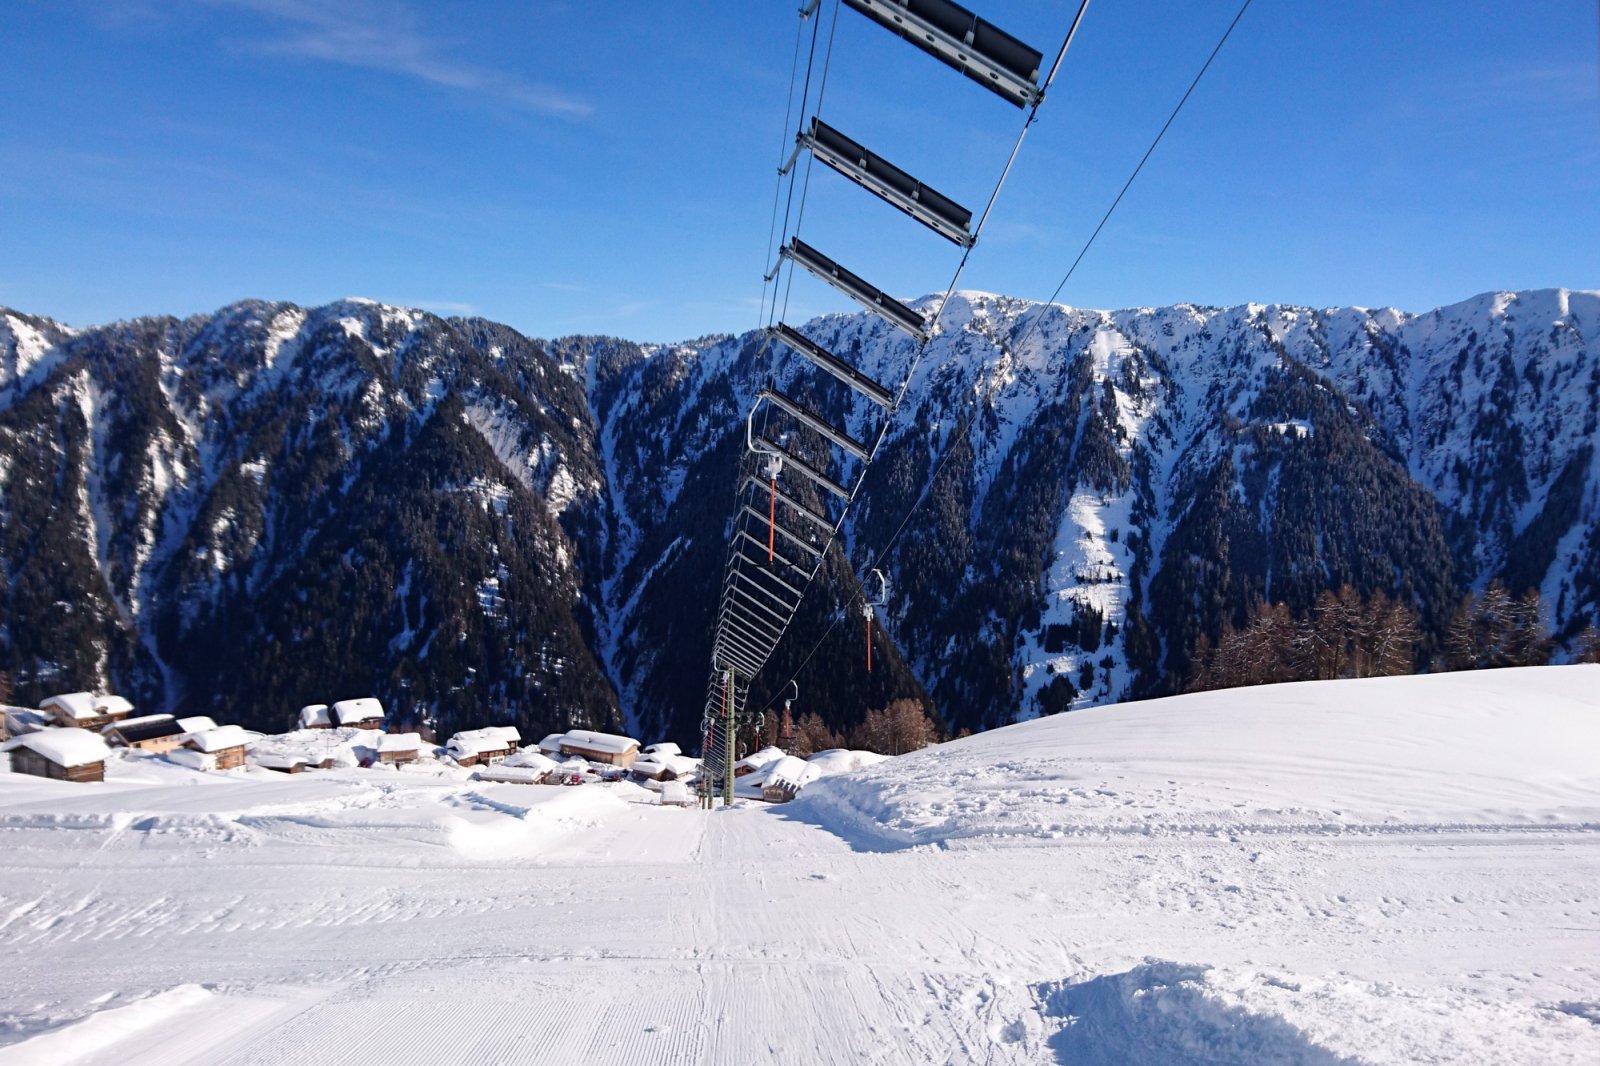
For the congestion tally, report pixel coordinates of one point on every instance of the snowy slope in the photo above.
(1384, 872)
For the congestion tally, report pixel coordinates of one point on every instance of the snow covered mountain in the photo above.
(272, 505)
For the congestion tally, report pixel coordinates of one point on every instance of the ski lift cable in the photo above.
(1033, 322)
(777, 185)
(822, 88)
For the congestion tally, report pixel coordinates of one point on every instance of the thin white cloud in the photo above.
(384, 35)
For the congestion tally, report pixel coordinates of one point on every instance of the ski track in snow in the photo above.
(1426, 892)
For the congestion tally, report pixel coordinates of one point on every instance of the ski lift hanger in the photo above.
(888, 182)
(803, 468)
(804, 510)
(955, 36)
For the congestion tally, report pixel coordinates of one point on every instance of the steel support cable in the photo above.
(1033, 322)
(805, 187)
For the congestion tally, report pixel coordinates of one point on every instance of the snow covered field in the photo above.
(1388, 871)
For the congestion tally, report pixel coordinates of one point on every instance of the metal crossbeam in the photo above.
(826, 360)
(955, 36)
(804, 469)
(805, 511)
(812, 420)
(889, 183)
(857, 288)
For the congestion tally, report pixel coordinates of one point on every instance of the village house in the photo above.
(316, 716)
(607, 748)
(664, 767)
(153, 733)
(757, 761)
(550, 746)
(62, 754)
(397, 748)
(478, 747)
(364, 713)
(225, 745)
(85, 710)
(523, 768)
(198, 723)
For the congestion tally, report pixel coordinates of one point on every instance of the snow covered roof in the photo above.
(365, 709)
(75, 705)
(791, 772)
(197, 723)
(666, 747)
(531, 760)
(680, 765)
(112, 705)
(64, 747)
(400, 742)
(315, 714)
(552, 743)
(277, 760)
(759, 759)
(194, 760)
(477, 742)
(150, 727)
(589, 740)
(504, 732)
(21, 720)
(220, 738)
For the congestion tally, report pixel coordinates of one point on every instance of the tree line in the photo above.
(1346, 635)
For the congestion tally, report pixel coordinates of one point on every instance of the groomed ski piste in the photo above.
(1398, 870)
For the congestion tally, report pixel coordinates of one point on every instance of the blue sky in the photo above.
(566, 171)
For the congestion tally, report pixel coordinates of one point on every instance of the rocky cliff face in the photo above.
(274, 505)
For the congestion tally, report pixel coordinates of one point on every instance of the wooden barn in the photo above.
(397, 748)
(85, 710)
(154, 733)
(364, 713)
(225, 745)
(62, 754)
(786, 778)
(478, 747)
(607, 748)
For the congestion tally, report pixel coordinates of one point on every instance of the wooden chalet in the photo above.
(284, 764)
(397, 748)
(478, 747)
(607, 748)
(153, 733)
(225, 745)
(364, 713)
(85, 710)
(69, 754)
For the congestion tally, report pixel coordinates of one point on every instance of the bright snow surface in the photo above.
(1389, 871)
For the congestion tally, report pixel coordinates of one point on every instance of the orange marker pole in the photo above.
(772, 519)
(869, 642)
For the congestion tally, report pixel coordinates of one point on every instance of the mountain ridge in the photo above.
(197, 462)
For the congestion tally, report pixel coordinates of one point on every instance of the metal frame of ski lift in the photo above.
(754, 613)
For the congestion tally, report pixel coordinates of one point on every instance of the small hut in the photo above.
(281, 762)
(61, 754)
(550, 746)
(607, 748)
(666, 747)
(154, 733)
(85, 710)
(364, 713)
(523, 768)
(316, 716)
(397, 748)
(225, 745)
(757, 761)
(786, 778)
(478, 747)
(676, 794)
